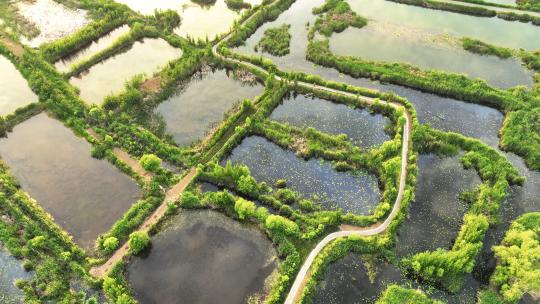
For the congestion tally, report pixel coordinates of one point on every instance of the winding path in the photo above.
(303, 274)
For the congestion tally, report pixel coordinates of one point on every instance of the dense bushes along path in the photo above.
(303, 274)
(172, 195)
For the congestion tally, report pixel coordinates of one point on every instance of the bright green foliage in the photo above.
(116, 291)
(479, 47)
(247, 184)
(518, 270)
(110, 244)
(395, 294)
(533, 5)
(336, 16)
(280, 225)
(276, 40)
(138, 241)
(150, 162)
(244, 208)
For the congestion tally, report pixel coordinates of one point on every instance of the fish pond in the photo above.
(14, 89)
(204, 257)
(362, 127)
(357, 193)
(201, 104)
(110, 76)
(64, 64)
(84, 195)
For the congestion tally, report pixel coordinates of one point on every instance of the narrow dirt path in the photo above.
(302, 276)
(12, 46)
(172, 194)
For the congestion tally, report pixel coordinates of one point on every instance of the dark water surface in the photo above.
(268, 162)
(363, 128)
(203, 257)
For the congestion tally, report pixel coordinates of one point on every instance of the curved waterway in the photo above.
(85, 196)
(10, 270)
(363, 128)
(358, 193)
(109, 76)
(203, 257)
(14, 90)
(201, 104)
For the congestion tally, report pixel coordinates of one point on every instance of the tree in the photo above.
(138, 240)
(280, 225)
(150, 162)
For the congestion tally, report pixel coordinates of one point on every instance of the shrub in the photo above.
(189, 200)
(150, 162)
(244, 208)
(138, 241)
(276, 41)
(110, 244)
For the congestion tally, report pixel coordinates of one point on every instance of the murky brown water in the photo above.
(14, 90)
(97, 46)
(84, 195)
(109, 77)
(203, 257)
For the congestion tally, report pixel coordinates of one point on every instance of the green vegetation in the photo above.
(395, 294)
(479, 47)
(150, 162)
(138, 241)
(13, 23)
(237, 4)
(451, 7)
(276, 41)
(335, 16)
(533, 5)
(518, 271)
(204, 2)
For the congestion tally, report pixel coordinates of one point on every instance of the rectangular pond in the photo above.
(64, 64)
(201, 104)
(204, 257)
(83, 194)
(358, 193)
(363, 128)
(14, 90)
(109, 76)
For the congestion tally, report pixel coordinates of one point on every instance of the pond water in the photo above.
(202, 102)
(84, 195)
(348, 281)
(491, 30)
(436, 215)
(14, 90)
(109, 76)
(203, 257)
(378, 41)
(363, 128)
(10, 270)
(313, 179)
(198, 21)
(64, 65)
(53, 20)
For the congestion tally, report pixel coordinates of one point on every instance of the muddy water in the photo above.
(203, 257)
(363, 128)
(10, 270)
(109, 77)
(97, 46)
(312, 179)
(421, 49)
(84, 195)
(436, 214)
(202, 103)
(14, 90)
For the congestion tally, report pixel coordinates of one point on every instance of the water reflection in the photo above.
(14, 90)
(84, 195)
(10, 270)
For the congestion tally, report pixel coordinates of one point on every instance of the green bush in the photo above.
(138, 241)
(275, 41)
(395, 294)
(482, 48)
(150, 162)
(244, 208)
(110, 244)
